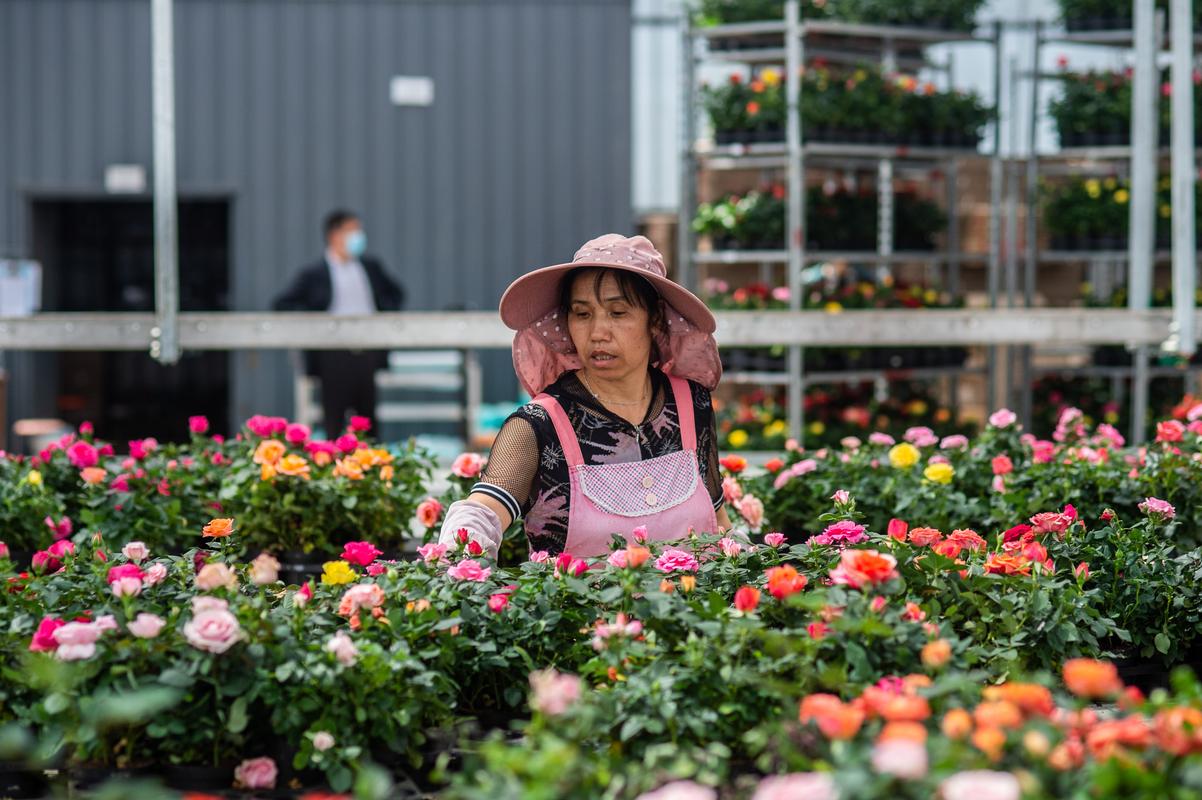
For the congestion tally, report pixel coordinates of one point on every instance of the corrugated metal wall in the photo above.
(284, 105)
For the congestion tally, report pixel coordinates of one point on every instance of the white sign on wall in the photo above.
(411, 90)
(20, 287)
(125, 179)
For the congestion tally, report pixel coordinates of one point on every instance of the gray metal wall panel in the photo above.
(284, 103)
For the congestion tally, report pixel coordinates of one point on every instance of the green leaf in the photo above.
(237, 721)
(1162, 642)
(175, 677)
(57, 702)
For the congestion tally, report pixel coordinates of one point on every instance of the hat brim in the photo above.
(535, 294)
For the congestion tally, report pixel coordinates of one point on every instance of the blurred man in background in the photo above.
(344, 282)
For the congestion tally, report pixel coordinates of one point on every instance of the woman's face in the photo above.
(611, 335)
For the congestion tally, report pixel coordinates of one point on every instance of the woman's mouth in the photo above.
(602, 358)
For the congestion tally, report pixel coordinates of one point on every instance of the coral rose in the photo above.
(836, 719)
(1086, 677)
(428, 512)
(467, 465)
(218, 528)
(957, 723)
(862, 568)
(747, 598)
(936, 653)
(784, 581)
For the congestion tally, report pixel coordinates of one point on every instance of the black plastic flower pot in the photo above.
(198, 778)
(17, 781)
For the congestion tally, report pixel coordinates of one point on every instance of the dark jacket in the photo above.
(311, 290)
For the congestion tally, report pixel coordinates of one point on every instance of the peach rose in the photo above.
(269, 451)
(218, 528)
(293, 466)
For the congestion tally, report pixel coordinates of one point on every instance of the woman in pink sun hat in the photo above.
(620, 361)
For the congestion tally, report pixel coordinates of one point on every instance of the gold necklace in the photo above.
(642, 400)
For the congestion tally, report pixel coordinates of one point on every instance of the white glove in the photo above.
(481, 523)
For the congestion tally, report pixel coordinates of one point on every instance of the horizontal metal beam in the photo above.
(483, 329)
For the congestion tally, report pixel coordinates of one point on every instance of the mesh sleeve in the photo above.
(707, 442)
(513, 461)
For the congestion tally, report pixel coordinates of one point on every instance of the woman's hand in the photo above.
(723, 519)
(484, 519)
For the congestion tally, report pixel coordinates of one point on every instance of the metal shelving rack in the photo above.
(1140, 159)
(788, 43)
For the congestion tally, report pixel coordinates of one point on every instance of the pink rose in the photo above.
(303, 595)
(428, 512)
(553, 692)
(4, 554)
(731, 490)
(347, 443)
(617, 559)
(214, 630)
(498, 602)
(881, 439)
(76, 640)
(136, 552)
(841, 497)
(343, 649)
(1157, 509)
(774, 539)
(981, 784)
(954, 442)
(921, 436)
(154, 574)
(680, 790)
(360, 553)
(1054, 521)
(1002, 418)
(808, 785)
(730, 548)
(126, 587)
(216, 576)
(83, 454)
(620, 627)
(125, 571)
(469, 570)
(538, 556)
(140, 448)
(256, 773)
(1002, 465)
(264, 569)
(146, 626)
(61, 529)
(467, 465)
(106, 622)
(999, 484)
(752, 510)
(850, 443)
(43, 638)
(360, 424)
(676, 560)
(260, 425)
(198, 424)
(361, 595)
(435, 552)
(1170, 430)
(840, 534)
(297, 433)
(323, 741)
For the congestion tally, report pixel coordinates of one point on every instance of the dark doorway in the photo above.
(98, 255)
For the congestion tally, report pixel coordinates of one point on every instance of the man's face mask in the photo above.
(356, 243)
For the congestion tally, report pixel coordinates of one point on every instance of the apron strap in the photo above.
(563, 429)
(684, 412)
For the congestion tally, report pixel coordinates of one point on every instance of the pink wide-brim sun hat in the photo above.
(532, 296)
(542, 348)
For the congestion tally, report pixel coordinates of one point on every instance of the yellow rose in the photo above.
(939, 473)
(904, 455)
(34, 478)
(738, 438)
(817, 428)
(334, 573)
(832, 307)
(776, 428)
(1110, 183)
(1121, 196)
(770, 77)
(1093, 188)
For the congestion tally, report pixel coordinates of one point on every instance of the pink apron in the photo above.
(664, 493)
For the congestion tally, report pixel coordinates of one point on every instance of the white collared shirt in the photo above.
(350, 288)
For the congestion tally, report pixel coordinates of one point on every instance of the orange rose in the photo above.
(836, 719)
(266, 472)
(784, 581)
(346, 468)
(322, 458)
(386, 472)
(269, 451)
(218, 528)
(905, 708)
(859, 568)
(937, 653)
(1179, 730)
(903, 731)
(1033, 699)
(1112, 737)
(967, 540)
(925, 537)
(989, 741)
(1086, 677)
(957, 723)
(294, 466)
(1069, 754)
(915, 682)
(636, 556)
(998, 714)
(998, 564)
(93, 475)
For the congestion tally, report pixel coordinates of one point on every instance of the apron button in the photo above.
(647, 481)
(651, 499)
